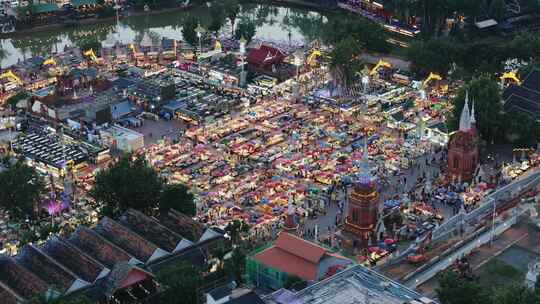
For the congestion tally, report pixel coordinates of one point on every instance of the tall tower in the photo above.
(463, 146)
(363, 207)
(290, 224)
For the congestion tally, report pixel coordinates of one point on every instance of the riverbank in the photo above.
(90, 21)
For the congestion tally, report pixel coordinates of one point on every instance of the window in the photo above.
(456, 163)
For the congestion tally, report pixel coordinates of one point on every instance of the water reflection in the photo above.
(272, 23)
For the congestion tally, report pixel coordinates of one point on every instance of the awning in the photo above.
(77, 3)
(43, 8)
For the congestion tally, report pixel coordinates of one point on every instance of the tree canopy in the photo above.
(20, 189)
(177, 197)
(245, 29)
(128, 183)
(344, 63)
(485, 93)
(232, 9)
(180, 284)
(132, 183)
(456, 290)
(188, 30)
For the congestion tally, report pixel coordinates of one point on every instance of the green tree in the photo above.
(235, 265)
(188, 30)
(485, 93)
(20, 189)
(232, 8)
(217, 18)
(295, 283)
(435, 55)
(235, 229)
(128, 183)
(245, 29)
(180, 283)
(455, 290)
(513, 294)
(177, 197)
(45, 299)
(344, 63)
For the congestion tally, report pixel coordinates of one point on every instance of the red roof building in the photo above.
(265, 57)
(291, 256)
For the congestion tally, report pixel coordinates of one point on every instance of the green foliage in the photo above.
(344, 62)
(235, 229)
(13, 100)
(245, 29)
(217, 17)
(106, 11)
(295, 283)
(485, 93)
(127, 184)
(369, 34)
(434, 55)
(180, 284)
(455, 290)
(188, 30)
(177, 197)
(232, 9)
(20, 189)
(235, 265)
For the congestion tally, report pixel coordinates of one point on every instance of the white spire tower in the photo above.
(465, 119)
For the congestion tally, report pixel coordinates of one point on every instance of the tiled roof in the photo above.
(8, 296)
(46, 268)
(97, 247)
(99, 260)
(74, 259)
(293, 255)
(119, 274)
(19, 279)
(299, 247)
(291, 264)
(150, 229)
(126, 239)
(183, 225)
(265, 55)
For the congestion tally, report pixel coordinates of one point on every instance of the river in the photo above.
(273, 23)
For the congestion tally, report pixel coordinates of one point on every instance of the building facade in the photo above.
(463, 146)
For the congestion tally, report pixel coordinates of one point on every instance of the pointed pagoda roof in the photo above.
(146, 41)
(473, 116)
(465, 119)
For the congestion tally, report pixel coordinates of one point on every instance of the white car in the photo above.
(14, 3)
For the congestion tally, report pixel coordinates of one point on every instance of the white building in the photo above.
(123, 139)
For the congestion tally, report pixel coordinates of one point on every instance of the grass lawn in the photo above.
(496, 273)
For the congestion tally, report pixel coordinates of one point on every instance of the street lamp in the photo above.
(200, 31)
(243, 42)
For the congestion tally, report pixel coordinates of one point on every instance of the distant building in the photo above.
(355, 285)
(123, 139)
(229, 295)
(114, 262)
(463, 146)
(289, 257)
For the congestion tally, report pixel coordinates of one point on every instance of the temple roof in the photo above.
(19, 279)
(74, 259)
(150, 229)
(127, 240)
(98, 247)
(182, 225)
(49, 270)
